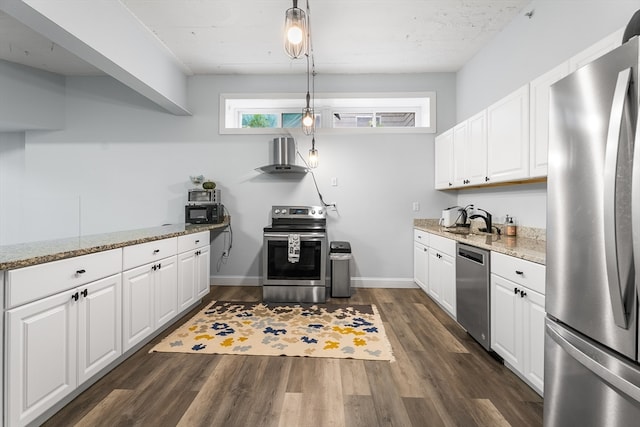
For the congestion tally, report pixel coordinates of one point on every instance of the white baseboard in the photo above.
(356, 282)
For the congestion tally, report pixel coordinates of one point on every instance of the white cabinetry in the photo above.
(55, 343)
(470, 151)
(421, 258)
(193, 268)
(539, 90)
(150, 290)
(508, 137)
(444, 161)
(442, 272)
(517, 316)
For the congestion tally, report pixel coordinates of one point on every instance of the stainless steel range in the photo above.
(294, 255)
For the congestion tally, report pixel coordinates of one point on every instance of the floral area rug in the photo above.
(318, 330)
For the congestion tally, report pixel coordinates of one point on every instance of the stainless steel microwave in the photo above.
(204, 214)
(198, 196)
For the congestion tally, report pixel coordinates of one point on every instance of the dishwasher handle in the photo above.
(474, 256)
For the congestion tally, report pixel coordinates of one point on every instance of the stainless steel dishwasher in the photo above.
(473, 296)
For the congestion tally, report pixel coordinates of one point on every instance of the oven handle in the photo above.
(286, 236)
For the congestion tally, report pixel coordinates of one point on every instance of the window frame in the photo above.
(326, 104)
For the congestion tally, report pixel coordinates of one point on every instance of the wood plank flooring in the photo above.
(441, 377)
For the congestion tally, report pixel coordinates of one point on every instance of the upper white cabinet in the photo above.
(460, 157)
(539, 90)
(444, 160)
(596, 50)
(508, 137)
(475, 153)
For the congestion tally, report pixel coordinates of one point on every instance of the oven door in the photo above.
(310, 270)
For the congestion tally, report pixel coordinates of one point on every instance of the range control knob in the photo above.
(320, 212)
(313, 211)
(277, 211)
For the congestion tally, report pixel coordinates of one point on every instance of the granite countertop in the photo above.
(529, 244)
(27, 254)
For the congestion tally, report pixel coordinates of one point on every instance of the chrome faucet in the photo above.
(487, 220)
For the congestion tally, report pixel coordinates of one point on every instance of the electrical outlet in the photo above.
(416, 206)
(334, 181)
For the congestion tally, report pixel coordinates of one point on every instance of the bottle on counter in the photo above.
(510, 225)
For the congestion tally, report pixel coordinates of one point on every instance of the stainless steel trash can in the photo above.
(340, 256)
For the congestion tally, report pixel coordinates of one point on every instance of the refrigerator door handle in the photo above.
(610, 175)
(601, 364)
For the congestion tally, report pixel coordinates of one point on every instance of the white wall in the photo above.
(524, 50)
(123, 163)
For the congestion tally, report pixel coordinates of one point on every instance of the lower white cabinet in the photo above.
(193, 276)
(434, 268)
(150, 299)
(58, 342)
(442, 272)
(517, 318)
(421, 259)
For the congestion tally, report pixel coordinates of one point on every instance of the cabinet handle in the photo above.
(84, 293)
(75, 296)
(520, 273)
(197, 241)
(450, 184)
(81, 271)
(155, 251)
(159, 266)
(425, 249)
(154, 267)
(516, 290)
(486, 179)
(523, 294)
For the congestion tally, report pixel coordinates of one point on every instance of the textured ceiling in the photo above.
(245, 37)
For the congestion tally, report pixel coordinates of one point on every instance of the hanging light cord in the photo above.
(325, 204)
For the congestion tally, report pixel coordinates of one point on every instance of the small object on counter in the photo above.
(510, 226)
(209, 185)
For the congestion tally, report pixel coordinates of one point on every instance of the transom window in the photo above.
(379, 112)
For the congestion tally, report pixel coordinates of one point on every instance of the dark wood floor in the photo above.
(441, 377)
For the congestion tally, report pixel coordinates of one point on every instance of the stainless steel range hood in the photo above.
(283, 157)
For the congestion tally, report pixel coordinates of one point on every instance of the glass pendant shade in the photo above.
(313, 158)
(295, 32)
(307, 121)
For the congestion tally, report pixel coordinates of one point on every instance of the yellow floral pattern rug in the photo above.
(318, 330)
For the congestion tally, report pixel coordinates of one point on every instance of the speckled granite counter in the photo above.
(26, 254)
(530, 246)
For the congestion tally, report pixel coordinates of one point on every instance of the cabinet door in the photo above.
(506, 321)
(421, 265)
(434, 282)
(187, 272)
(41, 346)
(137, 305)
(204, 272)
(99, 325)
(476, 151)
(460, 156)
(539, 90)
(448, 283)
(508, 137)
(533, 325)
(444, 161)
(166, 291)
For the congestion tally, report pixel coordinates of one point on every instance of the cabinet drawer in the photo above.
(144, 253)
(442, 244)
(421, 237)
(520, 271)
(38, 281)
(193, 241)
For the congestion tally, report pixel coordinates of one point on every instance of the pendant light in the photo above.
(308, 119)
(313, 154)
(295, 31)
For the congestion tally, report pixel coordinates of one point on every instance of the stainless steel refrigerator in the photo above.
(592, 370)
